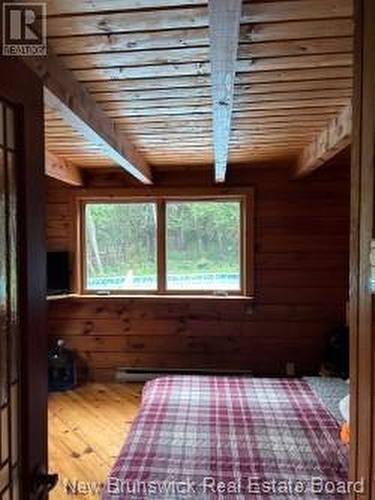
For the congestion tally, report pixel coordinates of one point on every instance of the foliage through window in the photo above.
(164, 246)
(203, 245)
(121, 246)
(372, 262)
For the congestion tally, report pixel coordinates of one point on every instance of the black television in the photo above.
(58, 281)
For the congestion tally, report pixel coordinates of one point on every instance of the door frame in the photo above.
(362, 339)
(21, 87)
(24, 91)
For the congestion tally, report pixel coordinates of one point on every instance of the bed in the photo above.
(232, 438)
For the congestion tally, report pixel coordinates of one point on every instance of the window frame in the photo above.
(244, 195)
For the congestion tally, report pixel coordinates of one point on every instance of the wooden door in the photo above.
(23, 348)
(362, 324)
(9, 308)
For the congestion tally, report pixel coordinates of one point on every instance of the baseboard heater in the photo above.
(144, 374)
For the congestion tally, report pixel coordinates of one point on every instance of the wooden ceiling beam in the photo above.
(331, 140)
(62, 170)
(65, 95)
(224, 17)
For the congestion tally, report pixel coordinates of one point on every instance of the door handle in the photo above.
(44, 482)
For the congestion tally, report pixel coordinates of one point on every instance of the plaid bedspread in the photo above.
(200, 437)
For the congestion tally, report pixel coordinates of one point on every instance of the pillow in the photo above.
(344, 408)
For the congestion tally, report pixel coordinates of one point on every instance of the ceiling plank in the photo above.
(124, 111)
(56, 7)
(295, 11)
(225, 16)
(172, 101)
(295, 30)
(62, 170)
(200, 54)
(186, 37)
(331, 140)
(123, 21)
(171, 82)
(127, 22)
(64, 94)
(143, 40)
(260, 65)
(261, 88)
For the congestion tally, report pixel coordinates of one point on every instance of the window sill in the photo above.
(155, 297)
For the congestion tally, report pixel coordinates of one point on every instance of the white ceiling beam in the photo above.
(224, 20)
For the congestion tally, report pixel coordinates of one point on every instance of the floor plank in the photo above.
(87, 428)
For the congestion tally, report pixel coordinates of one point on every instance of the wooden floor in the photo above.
(87, 428)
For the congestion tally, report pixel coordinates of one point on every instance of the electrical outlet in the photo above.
(249, 309)
(290, 369)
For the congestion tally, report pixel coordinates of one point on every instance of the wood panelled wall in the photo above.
(301, 281)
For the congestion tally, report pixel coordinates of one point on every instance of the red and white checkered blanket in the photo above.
(200, 437)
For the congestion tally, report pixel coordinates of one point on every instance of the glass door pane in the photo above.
(9, 317)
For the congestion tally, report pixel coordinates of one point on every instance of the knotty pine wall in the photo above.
(301, 280)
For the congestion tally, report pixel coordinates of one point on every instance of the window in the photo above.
(372, 262)
(203, 245)
(167, 245)
(120, 243)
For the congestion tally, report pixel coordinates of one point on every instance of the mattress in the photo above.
(204, 437)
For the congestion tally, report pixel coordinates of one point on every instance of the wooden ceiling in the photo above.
(147, 63)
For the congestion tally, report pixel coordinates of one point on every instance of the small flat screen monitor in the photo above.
(57, 273)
